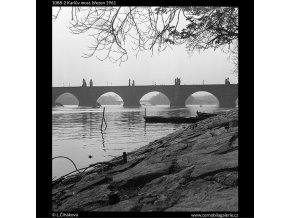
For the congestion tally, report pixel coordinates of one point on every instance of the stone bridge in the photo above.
(226, 94)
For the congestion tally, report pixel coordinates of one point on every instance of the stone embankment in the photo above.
(192, 169)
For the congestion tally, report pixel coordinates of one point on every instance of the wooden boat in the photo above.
(57, 104)
(97, 105)
(158, 119)
(206, 115)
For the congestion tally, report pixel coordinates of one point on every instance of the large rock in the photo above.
(89, 182)
(142, 173)
(126, 205)
(87, 200)
(204, 195)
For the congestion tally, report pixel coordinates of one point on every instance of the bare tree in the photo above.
(151, 28)
(234, 55)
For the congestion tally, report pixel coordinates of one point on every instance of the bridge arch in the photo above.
(66, 98)
(202, 98)
(156, 97)
(109, 98)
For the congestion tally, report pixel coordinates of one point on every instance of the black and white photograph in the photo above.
(145, 108)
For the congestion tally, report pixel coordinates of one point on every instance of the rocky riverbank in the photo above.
(192, 169)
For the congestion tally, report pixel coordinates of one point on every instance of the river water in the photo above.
(76, 132)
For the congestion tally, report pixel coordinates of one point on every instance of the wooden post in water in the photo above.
(145, 121)
(103, 119)
(125, 157)
(105, 122)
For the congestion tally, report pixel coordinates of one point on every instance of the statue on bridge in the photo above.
(177, 81)
(91, 83)
(133, 82)
(227, 81)
(84, 83)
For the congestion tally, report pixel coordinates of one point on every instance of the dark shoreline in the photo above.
(191, 169)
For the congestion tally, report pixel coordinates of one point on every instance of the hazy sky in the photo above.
(69, 68)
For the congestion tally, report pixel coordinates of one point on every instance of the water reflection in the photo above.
(131, 117)
(77, 132)
(144, 128)
(103, 140)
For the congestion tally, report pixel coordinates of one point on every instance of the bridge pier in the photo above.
(130, 98)
(227, 101)
(177, 104)
(84, 102)
(86, 98)
(131, 102)
(53, 100)
(177, 100)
